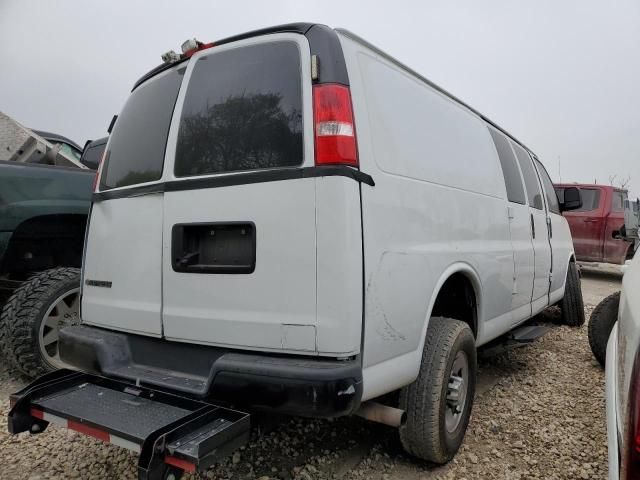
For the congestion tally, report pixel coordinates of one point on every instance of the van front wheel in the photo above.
(571, 304)
(438, 403)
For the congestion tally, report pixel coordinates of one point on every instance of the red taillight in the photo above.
(334, 130)
(631, 446)
(97, 175)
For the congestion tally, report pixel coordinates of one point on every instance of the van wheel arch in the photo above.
(457, 298)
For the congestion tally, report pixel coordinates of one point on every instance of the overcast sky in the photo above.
(562, 76)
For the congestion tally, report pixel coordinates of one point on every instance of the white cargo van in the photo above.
(292, 220)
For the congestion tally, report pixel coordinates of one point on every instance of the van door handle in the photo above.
(188, 258)
(533, 226)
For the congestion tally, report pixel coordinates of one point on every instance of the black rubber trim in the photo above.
(237, 179)
(325, 44)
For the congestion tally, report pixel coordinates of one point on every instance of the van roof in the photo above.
(303, 28)
(409, 70)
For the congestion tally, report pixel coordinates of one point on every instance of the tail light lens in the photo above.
(334, 130)
(631, 446)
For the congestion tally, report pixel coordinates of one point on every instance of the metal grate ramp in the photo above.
(121, 412)
(169, 431)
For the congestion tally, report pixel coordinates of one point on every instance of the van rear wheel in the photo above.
(571, 305)
(32, 317)
(438, 403)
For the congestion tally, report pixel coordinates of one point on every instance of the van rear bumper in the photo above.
(306, 386)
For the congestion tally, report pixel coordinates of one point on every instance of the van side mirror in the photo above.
(572, 199)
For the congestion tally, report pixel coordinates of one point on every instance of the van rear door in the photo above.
(239, 263)
(122, 266)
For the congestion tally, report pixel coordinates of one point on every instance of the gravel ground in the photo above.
(539, 413)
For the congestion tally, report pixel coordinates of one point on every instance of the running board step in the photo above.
(528, 333)
(167, 430)
(519, 337)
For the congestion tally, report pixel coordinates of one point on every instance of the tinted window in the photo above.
(618, 201)
(242, 111)
(550, 193)
(139, 137)
(515, 189)
(91, 156)
(530, 177)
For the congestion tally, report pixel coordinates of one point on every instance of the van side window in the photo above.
(530, 178)
(139, 137)
(515, 189)
(547, 184)
(242, 111)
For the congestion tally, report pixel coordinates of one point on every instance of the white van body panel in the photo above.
(339, 266)
(562, 255)
(129, 230)
(439, 201)
(524, 262)
(246, 310)
(403, 369)
(622, 351)
(611, 387)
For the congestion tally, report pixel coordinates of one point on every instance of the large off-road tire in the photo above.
(32, 316)
(601, 323)
(438, 404)
(571, 304)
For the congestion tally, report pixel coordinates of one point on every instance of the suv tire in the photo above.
(44, 303)
(433, 431)
(571, 304)
(601, 323)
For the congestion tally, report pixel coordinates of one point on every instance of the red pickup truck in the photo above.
(596, 225)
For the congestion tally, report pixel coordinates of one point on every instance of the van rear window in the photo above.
(139, 137)
(242, 111)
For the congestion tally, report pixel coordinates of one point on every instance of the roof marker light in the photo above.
(190, 44)
(170, 57)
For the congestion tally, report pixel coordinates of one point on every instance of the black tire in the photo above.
(424, 433)
(571, 304)
(23, 314)
(602, 320)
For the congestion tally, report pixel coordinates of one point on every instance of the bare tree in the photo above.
(620, 183)
(624, 183)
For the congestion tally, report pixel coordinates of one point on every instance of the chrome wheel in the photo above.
(457, 391)
(64, 311)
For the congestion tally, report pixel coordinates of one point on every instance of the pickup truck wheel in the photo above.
(601, 323)
(33, 315)
(571, 304)
(438, 404)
